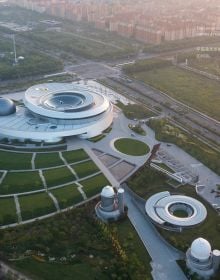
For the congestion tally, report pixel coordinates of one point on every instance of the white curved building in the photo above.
(164, 208)
(56, 110)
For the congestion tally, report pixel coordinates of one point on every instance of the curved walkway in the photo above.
(163, 255)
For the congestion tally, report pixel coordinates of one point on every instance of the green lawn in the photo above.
(74, 156)
(190, 88)
(12, 160)
(131, 147)
(73, 43)
(7, 211)
(134, 247)
(209, 65)
(77, 233)
(57, 176)
(67, 196)
(135, 111)
(36, 205)
(93, 185)
(85, 169)
(44, 160)
(18, 182)
(147, 181)
(58, 271)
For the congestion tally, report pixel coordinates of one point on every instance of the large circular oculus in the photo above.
(67, 101)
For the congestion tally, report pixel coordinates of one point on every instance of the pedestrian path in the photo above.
(163, 255)
(18, 209)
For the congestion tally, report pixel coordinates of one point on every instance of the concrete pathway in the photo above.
(103, 168)
(43, 179)
(54, 201)
(33, 161)
(80, 189)
(6, 269)
(18, 209)
(3, 176)
(69, 166)
(163, 255)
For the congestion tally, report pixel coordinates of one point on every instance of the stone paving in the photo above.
(122, 169)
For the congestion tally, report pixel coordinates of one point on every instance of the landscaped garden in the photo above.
(135, 111)
(7, 211)
(40, 180)
(131, 147)
(44, 160)
(137, 129)
(75, 245)
(94, 185)
(58, 176)
(18, 182)
(75, 156)
(85, 169)
(12, 160)
(67, 196)
(36, 205)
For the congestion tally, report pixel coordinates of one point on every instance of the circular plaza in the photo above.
(175, 211)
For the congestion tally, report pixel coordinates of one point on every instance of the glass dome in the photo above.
(7, 107)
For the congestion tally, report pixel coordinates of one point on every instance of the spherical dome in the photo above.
(201, 249)
(108, 191)
(7, 107)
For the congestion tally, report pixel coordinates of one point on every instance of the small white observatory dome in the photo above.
(201, 249)
(108, 191)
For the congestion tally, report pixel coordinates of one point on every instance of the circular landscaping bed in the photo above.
(131, 147)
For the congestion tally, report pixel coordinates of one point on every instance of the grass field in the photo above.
(18, 182)
(7, 211)
(74, 156)
(196, 91)
(58, 271)
(77, 44)
(131, 147)
(135, 111)
(132, 245)
(77, 233)
(85, 169)
(11, 160)
(209, 65)
(44, 160)
(57, 176)
(93, 185)
(36, 205)
(67, 196)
